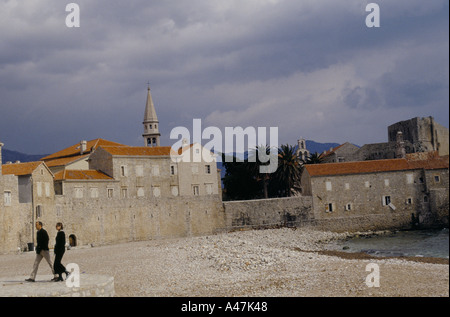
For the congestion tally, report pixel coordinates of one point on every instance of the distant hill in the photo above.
(13, 156)
(314, 147)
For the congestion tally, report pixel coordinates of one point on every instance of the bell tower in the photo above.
(302, 152)
(151, 124)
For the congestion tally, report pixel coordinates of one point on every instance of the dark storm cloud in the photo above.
(298, 65)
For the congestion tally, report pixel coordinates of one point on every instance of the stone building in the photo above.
(405, 137)
(410, 136)
(105, 192)
(341, 153)
(380, 193)
(138, 193)
(423, 135)
(75, 157)
(28, 196)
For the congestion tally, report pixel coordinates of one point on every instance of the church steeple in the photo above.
(151, 130)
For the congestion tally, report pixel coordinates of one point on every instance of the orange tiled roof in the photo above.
(81, 175)
(331, 151)
(361, 167)
(64, 161)
(74, 150)
(20, 169)
(138, 150)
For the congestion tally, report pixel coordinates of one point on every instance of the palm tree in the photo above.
(239, 183)
(254, 165)
(315, 158)
(288, 173)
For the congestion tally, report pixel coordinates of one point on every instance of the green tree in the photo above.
(288, 173)
(254, 164)
(314, 159)
(239, 183)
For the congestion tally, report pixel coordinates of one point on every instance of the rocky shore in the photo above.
(264, 263)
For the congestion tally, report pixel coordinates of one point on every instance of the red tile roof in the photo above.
(362, 167)
(331, 151)
(138, 150)
(81, 175)
(74, 150)
(20, 169)
(65, 160)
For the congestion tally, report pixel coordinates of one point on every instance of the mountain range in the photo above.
(13, 156)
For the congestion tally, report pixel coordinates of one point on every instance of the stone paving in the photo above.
(90, 286)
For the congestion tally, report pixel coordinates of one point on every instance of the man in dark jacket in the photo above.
(42, 251)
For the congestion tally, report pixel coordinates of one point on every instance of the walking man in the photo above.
(42, 251)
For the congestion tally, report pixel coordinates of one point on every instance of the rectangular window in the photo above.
(328, 186)
(329, 207)
(437, 179)
(208, 169)
(7, 198)
(123, 171)
(156, 191)
(409, 178)
(173, 170)
(139, 170)
(39, 189)
(94, 192)
(348, 207)
(124, 192)
(174, 190)
(367, 184)
(78, 192)
(347, 186)
(39, 211)
(110, 192)
(386, 183)
(58, 211)
(409, 201)
(140, 192)
(386, 200)
(209, 189)
(195, 190)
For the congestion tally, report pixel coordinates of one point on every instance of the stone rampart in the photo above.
(263, 213)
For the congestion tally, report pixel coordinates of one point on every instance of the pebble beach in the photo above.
(284, 262)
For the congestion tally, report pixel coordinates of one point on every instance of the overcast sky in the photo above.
(309, 67)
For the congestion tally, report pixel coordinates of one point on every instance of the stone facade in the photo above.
(417, 135)
(263, 213)
(378, 194)
(28, 196)
(341, 153)
(424, 135)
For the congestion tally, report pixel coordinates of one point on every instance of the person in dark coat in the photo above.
(42, 251)
(60, 248)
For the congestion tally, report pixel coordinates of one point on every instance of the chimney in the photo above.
(83, 147)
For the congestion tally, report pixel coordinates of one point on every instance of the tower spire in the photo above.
(151, 124)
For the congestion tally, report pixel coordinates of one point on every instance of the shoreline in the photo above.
(284, 262)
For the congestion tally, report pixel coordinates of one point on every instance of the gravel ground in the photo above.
(264, 263)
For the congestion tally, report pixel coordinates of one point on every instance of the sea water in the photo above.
(417, 243)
